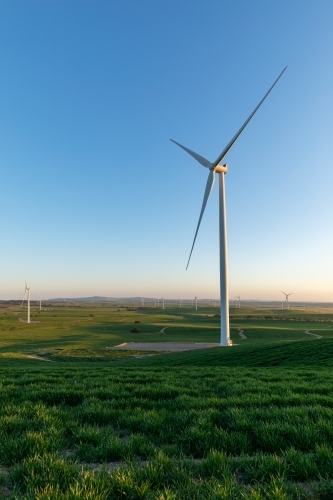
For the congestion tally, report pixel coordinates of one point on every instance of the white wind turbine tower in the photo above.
(217, 167)
(163, 303)
(287, 298)
(238, 297)
(27, 289)
(196, 303)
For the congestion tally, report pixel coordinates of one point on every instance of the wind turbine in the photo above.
(163, 303)
(27, 289)
(287, 295)
(40, 302)
(196, 303)
(217, 167)
(238, 297)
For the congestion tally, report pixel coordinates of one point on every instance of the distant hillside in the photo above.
(97, 298)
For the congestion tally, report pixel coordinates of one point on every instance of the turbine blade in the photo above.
(199, 158)
(209, 187)
(234, 139)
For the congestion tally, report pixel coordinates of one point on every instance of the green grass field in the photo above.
(253, 421)
(94, 326)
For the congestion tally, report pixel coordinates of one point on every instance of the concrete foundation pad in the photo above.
(162, 346)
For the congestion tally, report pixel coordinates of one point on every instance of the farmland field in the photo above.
(79, 421)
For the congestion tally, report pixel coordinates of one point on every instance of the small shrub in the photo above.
(135, 330)
(136, 321)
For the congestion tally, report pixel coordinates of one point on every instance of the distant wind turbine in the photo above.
(221, 169)
(196, 303)
(238, 297)
(287, 298)
(163, 303)
(27, 289)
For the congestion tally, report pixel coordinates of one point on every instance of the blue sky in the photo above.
(95, 199)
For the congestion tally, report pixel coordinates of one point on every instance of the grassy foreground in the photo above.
(174, 431)
(250, 422)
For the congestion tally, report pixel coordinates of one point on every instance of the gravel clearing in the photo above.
(162, 346)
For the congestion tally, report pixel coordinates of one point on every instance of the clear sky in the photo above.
(95, 199)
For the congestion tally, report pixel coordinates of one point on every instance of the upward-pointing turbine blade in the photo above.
(234, 139)
(209, 187)
(199, 158)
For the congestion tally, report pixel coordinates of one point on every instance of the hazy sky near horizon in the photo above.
(95, 199)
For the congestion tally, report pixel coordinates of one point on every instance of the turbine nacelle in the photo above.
(220, 169)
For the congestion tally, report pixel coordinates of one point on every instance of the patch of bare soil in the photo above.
(5, 486)
(21, 320)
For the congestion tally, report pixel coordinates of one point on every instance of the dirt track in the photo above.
(241, 333)
(314, 334)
